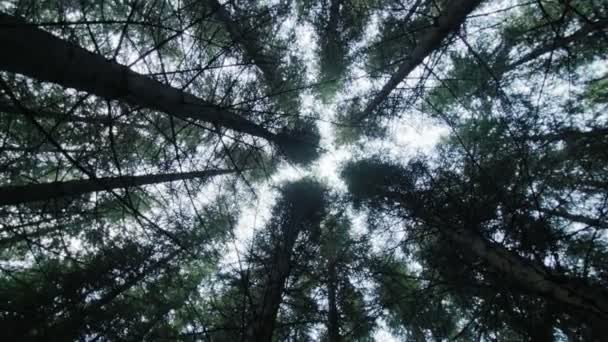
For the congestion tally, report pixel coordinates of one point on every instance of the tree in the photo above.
(39, 192)
(470, 136)
(251, 300)
(445, 24)
(301, 209)
(467, 208)
(124, 289)
(281, 82)
(339, 25)
(90, 72)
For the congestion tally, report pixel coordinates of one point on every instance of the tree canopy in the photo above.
(333, 170)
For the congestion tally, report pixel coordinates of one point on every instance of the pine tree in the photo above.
(166, 170)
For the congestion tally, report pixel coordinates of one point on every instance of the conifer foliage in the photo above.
(245, 170)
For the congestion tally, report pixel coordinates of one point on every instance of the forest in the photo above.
(301, 170)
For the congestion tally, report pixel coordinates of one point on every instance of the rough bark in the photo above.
(35, 53)
(448, 22)
(40, 192)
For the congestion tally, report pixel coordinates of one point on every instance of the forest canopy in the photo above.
(297, 170)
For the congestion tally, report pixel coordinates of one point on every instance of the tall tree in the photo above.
(39, 192)
(450, 20)
(467, 208)
(494, 231)
(300, 210)
(74, 67)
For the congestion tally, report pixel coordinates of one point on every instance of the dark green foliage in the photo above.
(494, 232)
(339, 25)
(301, 142)
(422, 311)
(478, 183)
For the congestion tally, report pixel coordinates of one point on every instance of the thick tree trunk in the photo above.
(30, 51)
(46, 191)
(574, 293)
(449, 21)
(262, 327)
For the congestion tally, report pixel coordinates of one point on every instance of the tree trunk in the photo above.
(334, 19)
(42, 148)
(575, 293)
(38, 54)
(448, 22)
(593, 222)
(586, 33)
(46, 191)
(61, 117)
(262, 327)
(333, 326)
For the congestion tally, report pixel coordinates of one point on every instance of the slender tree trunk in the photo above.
(332, 25)
(8, 108)
(38, 54)
(44, 148)
(262, 327)
(46, 191)
(593, 222)
(333, 326)
(588, 32)
(449, 21)
(575, 293)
